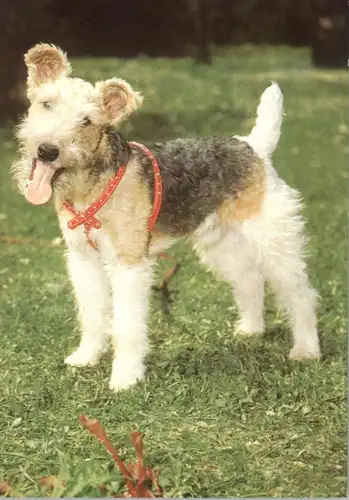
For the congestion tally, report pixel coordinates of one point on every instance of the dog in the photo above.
(119, 204)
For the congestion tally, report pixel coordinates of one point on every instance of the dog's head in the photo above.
(65, 121)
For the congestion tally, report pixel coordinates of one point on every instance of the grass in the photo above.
(221, 417)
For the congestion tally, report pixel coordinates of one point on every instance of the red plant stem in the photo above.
(95, 428)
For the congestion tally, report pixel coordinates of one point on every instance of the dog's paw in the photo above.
(247, 329)
(125, 375)
(303, 352)
(83, 357)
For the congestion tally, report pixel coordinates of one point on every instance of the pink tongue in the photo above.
(39, 189)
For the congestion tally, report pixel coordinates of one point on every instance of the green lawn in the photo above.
(221, 417)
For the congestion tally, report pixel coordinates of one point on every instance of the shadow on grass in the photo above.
(230, 359)
(157, 126)
(255, 357)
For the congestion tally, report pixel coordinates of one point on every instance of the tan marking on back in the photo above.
(249, 201)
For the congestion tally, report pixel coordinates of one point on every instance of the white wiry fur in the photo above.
(130, 309)
(114, 296)
(265, 135)
(91, 289)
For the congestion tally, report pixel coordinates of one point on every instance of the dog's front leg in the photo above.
(131, 285)
(91, 288)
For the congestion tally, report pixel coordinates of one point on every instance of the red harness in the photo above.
(88, 219)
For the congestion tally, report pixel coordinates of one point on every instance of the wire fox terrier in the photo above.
(221, 192)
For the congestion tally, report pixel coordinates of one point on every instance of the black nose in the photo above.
(48, 152)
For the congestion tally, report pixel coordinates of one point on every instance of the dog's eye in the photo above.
(86, 121)
(47, 105)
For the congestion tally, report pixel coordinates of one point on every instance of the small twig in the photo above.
(163, 287)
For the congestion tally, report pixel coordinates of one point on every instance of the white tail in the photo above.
(265, 135)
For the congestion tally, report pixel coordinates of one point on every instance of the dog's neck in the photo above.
(111, 152)
(85, 184)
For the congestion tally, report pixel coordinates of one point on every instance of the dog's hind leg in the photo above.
(235, 260)
(299, 300)
(91, 288)
(285, 269)
(283, 243)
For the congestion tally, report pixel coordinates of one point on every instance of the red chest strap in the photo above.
(88, 219)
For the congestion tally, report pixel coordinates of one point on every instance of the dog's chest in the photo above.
(86, 238)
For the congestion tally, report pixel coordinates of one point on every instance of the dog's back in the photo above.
(199, 176)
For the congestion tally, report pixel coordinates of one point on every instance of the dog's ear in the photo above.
(117, 99)
(45, 63)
